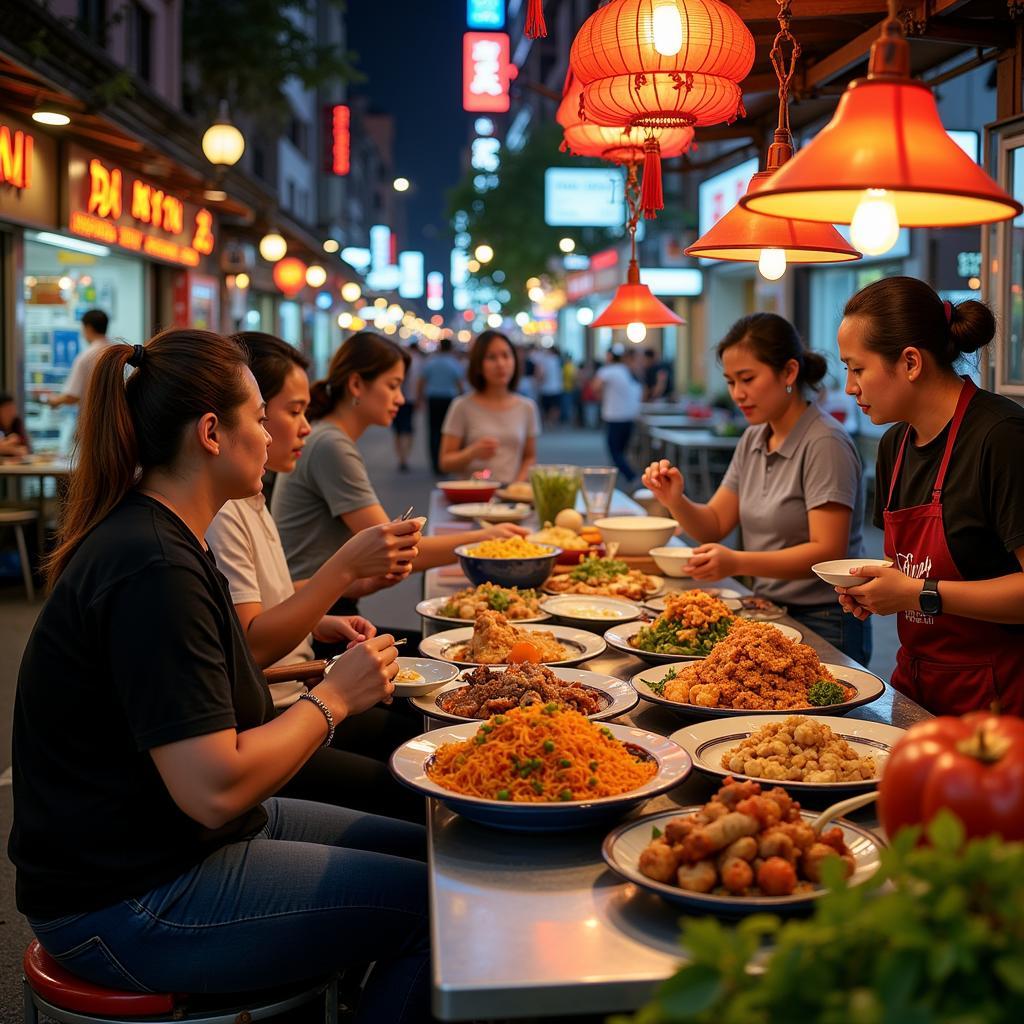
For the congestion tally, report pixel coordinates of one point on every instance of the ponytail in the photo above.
(128, 427)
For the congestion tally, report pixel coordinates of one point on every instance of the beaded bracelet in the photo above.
(314, 699)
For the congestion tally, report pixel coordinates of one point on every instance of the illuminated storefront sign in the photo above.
(487, 71)
(15, 157)
(435, 290)
(341, 140)
(113, 206)
(485, 13)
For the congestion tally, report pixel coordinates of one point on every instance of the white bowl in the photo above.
(636, 535)
(583, 609)
(671, 560)
(433, 674)
(837, 572)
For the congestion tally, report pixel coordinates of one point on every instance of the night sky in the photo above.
(411, 53)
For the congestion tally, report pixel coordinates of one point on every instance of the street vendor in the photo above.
(793, 486)
(949, 496)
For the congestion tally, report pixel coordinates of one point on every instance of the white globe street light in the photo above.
(223, 143)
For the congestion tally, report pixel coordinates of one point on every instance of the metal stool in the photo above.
(17, 518)
(50, 989)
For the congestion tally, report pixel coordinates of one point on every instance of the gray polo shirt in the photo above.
(328, 481)
(816, 464)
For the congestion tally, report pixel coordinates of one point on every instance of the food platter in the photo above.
(581, 644)
(730, 598)
(706, 742)
(491, 512)
(623, 846)
(591, 612)
(620, 638)
(410, 761)
(428, 609)
(868, 686)
(434, 673)
(619, 694)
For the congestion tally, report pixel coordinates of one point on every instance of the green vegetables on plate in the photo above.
(598, 570)
(670, 636)
(825, 692)
(935, 937)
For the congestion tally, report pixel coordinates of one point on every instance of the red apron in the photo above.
(947, 663)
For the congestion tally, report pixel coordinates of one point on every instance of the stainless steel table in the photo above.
(529, 926)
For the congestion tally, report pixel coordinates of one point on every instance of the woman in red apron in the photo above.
(950, 487)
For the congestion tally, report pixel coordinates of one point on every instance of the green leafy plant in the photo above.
(935, 937)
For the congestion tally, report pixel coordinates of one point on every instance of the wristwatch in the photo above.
(930, 601)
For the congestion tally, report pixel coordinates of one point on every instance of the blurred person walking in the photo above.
(550, 384)
(94, 331)
(442, 381)
(404, 425)
(620, 394)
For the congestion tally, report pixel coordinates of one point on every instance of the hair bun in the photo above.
(813, 368)
(971, 327)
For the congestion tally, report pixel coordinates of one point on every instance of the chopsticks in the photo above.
(406, 513)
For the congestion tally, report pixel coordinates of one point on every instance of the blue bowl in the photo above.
(528, 573)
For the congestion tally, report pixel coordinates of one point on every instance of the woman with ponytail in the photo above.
(794, 485)
(151, 852)
(949, 495)
(329, 496)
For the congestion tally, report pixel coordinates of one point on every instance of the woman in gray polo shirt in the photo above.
(794, 486)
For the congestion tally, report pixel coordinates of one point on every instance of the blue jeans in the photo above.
(320, 888)
(841, 630)
(618, 435)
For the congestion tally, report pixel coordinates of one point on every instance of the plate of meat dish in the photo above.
(757, 670)
(605, 577)
(746, 850)
(489, 690)
(802, 752)
(493, 640)
(540, 769)
(464, 605)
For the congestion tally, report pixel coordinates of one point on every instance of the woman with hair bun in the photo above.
(949, 496)
(793, 485)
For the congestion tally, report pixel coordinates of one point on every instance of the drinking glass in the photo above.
(598, 484)
(554, 488)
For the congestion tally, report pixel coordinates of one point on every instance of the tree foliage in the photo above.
(245, 50)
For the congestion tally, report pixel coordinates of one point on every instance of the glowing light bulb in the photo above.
(350, 291)
(241, 281)
(273, 247)
(345, 321)
(484, 253)
(667, 28)
(584, 315)
(875, 226)
(536, 294)
(567, 245)
(494, 320)
(315, 276)
(772, 263)
(636, 332)
(522, 319)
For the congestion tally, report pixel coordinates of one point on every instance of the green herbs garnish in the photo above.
(824, 692)
(656, 832)
(658, 686)
(598, 570)
(671, 636)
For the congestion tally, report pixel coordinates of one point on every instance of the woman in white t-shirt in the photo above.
(280, 618)
(491, 428)
(620, 393)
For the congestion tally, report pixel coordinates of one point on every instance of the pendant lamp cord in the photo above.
(632, 207)
(785, 68)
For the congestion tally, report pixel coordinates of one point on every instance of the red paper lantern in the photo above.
(620, 145)
(662, 63)
(290, 275)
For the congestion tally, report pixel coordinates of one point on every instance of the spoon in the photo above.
(843, 807)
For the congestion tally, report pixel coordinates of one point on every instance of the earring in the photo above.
(789, 389)
(355, 403)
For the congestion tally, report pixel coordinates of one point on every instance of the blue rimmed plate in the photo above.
(617, 695)
(410, 761)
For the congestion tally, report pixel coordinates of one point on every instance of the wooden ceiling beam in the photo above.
(767, 10)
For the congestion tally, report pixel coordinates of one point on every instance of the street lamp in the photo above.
(331, 246)
(350, 291)
(567, 245)
(315, 276)
(223, 143)
(483, 253)
(49, 115)
(401, 184)
(273, 247)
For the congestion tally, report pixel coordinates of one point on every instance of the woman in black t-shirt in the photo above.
(150, 851)
(949, 496)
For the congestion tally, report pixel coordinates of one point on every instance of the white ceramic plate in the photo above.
(409, 765)
(707, 742)
(730, 598)
(434, 673)
(619, 695)
(581, 644)
(623, 846)
(869, 688)
(491, 512)
(430, 609)
(591, 611)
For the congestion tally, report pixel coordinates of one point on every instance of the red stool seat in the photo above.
(57, 986)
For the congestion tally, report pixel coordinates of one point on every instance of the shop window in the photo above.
(92, 19)
(298, 134)
(1004, 261)
(140, 42)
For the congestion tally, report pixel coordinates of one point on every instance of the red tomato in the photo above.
(523, 651)
(974, 766)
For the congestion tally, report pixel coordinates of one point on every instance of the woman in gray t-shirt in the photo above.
(794, 486)
(492, 427)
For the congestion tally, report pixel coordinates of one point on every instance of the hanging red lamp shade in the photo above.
(290, 275)
(662, 63)
(536, 26)
(885, 155)
(634, 303)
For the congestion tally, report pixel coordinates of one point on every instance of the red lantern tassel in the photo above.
(536, 26)
(652, 198)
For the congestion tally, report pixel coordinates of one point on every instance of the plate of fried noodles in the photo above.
(540, 768)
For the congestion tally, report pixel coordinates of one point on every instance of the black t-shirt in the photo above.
(651, 377)
(983, 496)
(138, 646)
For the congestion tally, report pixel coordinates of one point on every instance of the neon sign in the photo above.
(341, 140)
(487, 71)
(15, 158)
